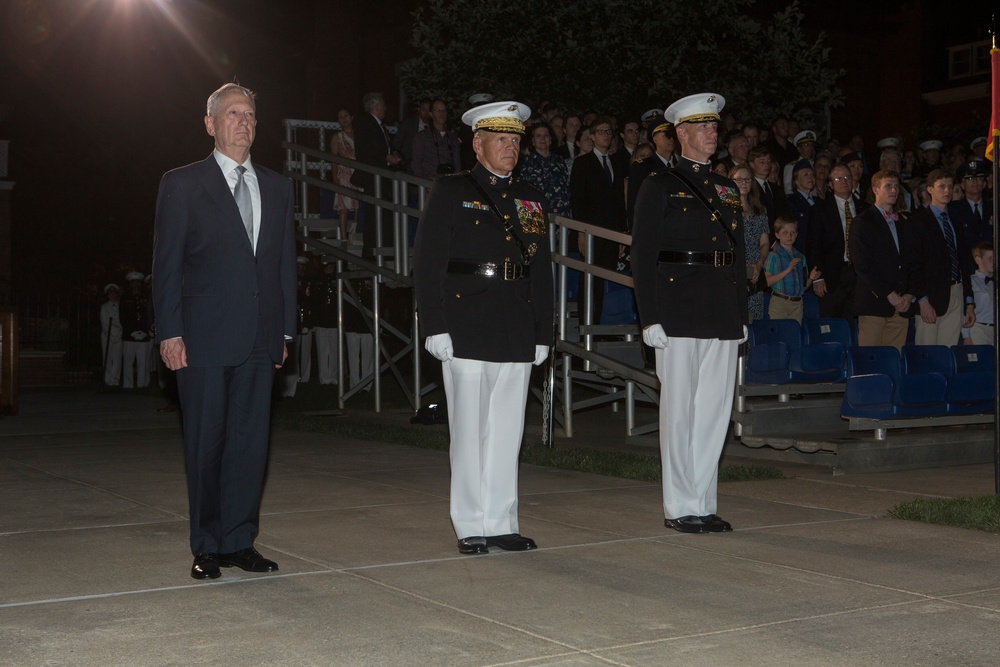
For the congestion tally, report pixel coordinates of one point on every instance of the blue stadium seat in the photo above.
(810, 307)
(879, 389)
(828, 330)
(973, 358)
(777, 355)
(971, 388)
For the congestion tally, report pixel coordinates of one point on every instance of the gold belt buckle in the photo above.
(718, 257)
(512, 270)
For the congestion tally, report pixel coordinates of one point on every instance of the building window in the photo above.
(969, 60)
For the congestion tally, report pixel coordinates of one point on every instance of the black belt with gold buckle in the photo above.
(785, 296)
(716, 258)
(507, 270)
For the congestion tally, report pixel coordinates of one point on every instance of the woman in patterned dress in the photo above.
(545, 170)
(755, 234)
(342, 144)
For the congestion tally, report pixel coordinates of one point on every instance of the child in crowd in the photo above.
(785, 269)
(983, 288)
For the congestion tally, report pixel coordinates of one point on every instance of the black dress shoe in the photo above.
(472, 545)
(248, 559)
(512, 542)
(716, 524)
(687, 524)
(206, 566)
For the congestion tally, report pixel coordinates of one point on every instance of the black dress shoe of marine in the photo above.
(472, 545)
(716, 524)
(687, 524)
(206, 566)
(512, 542)
(248, 559)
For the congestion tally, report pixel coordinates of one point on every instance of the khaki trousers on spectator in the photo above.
(949, 324)
(982, 334)
(783, 309)
(873, 330)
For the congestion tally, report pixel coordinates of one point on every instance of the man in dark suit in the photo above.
(827, 246)
(224, 285)
(973, 213)
(597, 197)
(483, 281)
(772, 195)
(943, 257)
(690, 286)
(664, 139)
(801, 201)
(372, 147)
(882, 253)
(408, 129)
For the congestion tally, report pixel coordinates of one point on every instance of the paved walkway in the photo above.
(93, 537)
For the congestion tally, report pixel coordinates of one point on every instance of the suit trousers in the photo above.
(874, 330)
(226, 414)
(839, 299)
(982, 334)
(486, 402)
(697, 381)
(948, 328)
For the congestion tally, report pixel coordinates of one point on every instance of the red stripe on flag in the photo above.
(995, 117)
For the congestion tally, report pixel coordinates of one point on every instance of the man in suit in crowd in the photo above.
(882, 252)
(224, 284)
(973, 213)
(760, 161)
(801, 201)
(483, 282)
(752, 134)
(738, 147)
(408, 129)
(664, 139)
(779, 143)
(829, 225)
(372, 147)
(628, 141)
(944, 293)
(805, 144)
(597, 197)
(690, 287)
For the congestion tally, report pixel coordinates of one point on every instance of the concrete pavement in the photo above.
(93, 536)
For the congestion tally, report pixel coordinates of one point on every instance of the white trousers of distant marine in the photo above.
(486, 402)
(697, 381)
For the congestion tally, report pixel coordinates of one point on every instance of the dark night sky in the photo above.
(106, 95)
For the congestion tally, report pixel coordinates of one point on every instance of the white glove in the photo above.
(541, 354)
(746, 334)
(440, 347)
(654, 336)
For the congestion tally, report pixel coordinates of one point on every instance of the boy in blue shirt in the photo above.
(785, 269)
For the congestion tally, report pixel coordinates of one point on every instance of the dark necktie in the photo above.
(242, 195)
(607, 170)
(949, 239)
(988, 279)
(848, 219)
(976, 212)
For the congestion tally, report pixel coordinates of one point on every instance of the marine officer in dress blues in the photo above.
(688, 262)
(483, 281)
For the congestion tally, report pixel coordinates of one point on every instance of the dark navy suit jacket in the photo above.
(208, 285)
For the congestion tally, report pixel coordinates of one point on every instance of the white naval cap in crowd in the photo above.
(695, 108)
(803, 137)
(134, 275)
(931, 145)
(888, 142)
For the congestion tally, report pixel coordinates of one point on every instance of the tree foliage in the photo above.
(621, 56)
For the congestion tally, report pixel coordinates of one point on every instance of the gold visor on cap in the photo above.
(699, 118)
(500, 124)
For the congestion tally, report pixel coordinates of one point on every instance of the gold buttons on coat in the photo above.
(504, 195)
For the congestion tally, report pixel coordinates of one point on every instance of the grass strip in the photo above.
(978, 513)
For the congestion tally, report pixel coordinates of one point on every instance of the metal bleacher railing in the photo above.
(604, 360)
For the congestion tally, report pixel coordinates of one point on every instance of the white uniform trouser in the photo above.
(326, 354)
(359, 346)
(486, 417)
(982, 334)
(305, 341)
(137, 353)
(697, 381)
(113, 365)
